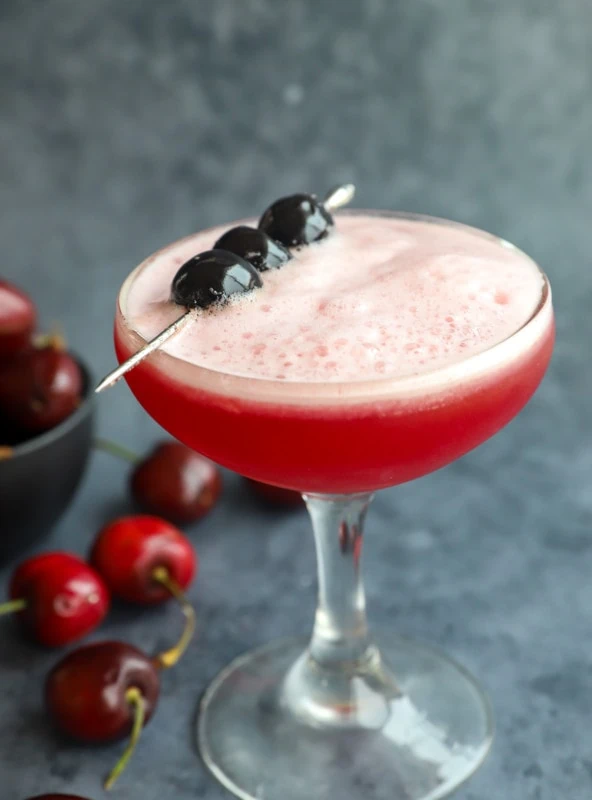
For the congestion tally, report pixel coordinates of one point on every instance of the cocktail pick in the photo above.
(339, 196)
(112, 378)
(336, 198)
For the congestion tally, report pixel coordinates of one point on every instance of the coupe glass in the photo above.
(342, 713)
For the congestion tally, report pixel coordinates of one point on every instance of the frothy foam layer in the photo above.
(381, 297)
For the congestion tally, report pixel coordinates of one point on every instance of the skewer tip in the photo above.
(112, 378)
(339, 196)
(106, 383)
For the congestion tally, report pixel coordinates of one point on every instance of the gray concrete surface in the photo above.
(126, 125)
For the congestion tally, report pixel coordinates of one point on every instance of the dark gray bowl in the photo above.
(40, 478)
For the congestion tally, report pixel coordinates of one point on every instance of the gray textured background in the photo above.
(124, 125)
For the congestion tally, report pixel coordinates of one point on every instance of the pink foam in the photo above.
(380, 297)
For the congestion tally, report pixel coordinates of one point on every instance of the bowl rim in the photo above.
(53, 434)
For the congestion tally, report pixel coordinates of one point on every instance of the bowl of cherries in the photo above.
(46, 424)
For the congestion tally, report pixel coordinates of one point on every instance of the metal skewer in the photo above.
(337, 197)
(115, 375)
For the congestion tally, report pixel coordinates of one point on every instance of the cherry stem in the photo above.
(12, 606)
(117, 450)
(54, 339)
(170, 657)
(135, 699)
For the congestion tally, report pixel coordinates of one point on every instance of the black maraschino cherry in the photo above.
(17, 320)
(254, 246)
(213, 277)
(58, 596)
(296, 220)
(102, 692)
(40, 388)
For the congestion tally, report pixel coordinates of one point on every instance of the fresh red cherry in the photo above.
(86, 691)
(131, 553)
(40, 388)
(146, 560)
(176, 483)
(275, 495)
(17, 319)
(59, 597)
(102, 692)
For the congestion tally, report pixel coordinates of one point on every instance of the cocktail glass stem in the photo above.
(340, 680)
(334, 716)
(340, 634)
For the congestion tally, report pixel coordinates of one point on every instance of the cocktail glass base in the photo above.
(415, 727)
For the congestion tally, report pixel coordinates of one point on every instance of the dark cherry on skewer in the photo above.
(275, 495)
(17, 320)
(296, 220)
(176, 483)
(213, 277)
(254, 246)
(58, 596)
(40, 388)
(102, 692)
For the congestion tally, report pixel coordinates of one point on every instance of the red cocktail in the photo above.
(373, 357)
